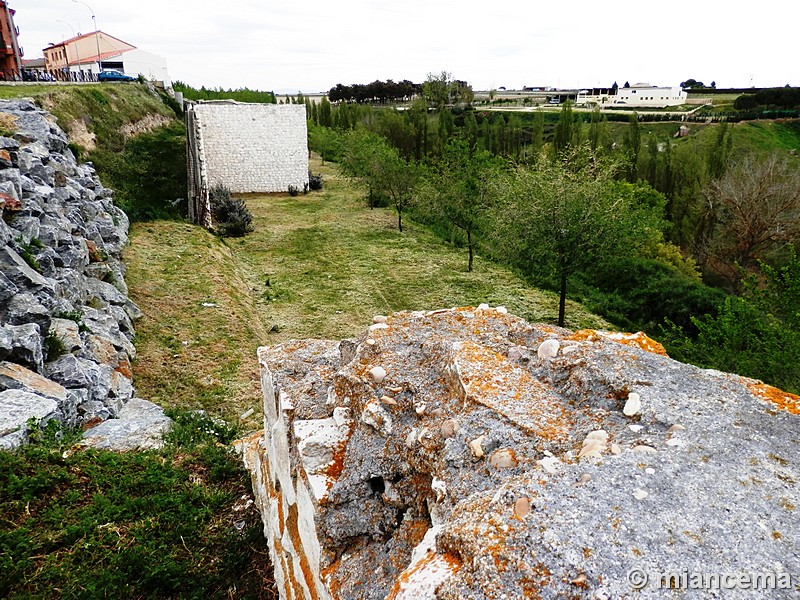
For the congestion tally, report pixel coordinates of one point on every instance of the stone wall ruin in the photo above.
(465, 453)
(245, 147)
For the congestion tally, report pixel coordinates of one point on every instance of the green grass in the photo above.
(332, 264)
(173, 523)
(317, 266)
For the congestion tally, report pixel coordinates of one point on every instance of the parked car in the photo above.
(114, 76)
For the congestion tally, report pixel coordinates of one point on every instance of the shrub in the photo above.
(638, 293)
(756, 334)
(231, 215)
(293, 191)
(148, 173)
(314, 181)
(53, 346)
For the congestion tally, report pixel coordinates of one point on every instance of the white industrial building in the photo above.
(639, 95)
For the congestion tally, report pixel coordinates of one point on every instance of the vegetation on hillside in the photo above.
(239, 94)
(134, 137)
(708, 220)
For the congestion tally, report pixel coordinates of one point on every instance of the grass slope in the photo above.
(323, 264)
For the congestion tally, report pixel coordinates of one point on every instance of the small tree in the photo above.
(565, 215)
(399, 178)
(363, 152)
(459, 189)
(563, 134)
(753, 211)
(369, 158)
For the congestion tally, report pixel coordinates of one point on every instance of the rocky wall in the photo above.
(66, 322)
(466, 453)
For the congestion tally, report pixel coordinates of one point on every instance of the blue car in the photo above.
(114, 76)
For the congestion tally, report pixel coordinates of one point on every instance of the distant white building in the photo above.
(641, 94)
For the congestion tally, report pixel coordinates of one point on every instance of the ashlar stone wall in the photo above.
(254, 147)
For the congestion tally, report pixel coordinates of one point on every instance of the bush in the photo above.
(293, 191)
(314, 181)
(231, 215)
(639, 293)
(756, 335)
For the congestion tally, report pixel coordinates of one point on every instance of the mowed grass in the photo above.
(317, 266)
(324, 264)
(196, 342)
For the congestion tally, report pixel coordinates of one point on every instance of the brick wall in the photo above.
(254, 147)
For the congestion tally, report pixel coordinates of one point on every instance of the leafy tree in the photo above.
(459, 189)
(370, 158)
(399, 180)
(537, 133)
(471, 131)
(325, 113)
(564, 216)
(633, 145)
(363, 153)
(325, 141)
(597, 129)
(446, 125)
(419, 121)
(436, 88)
(396, 128)
(563, 134)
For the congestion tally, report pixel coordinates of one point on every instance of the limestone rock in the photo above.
(355, 510)
(17, 407)
(140, 425)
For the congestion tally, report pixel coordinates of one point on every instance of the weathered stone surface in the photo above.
(22, 344)
(17, 377)
(140, 425)
(67, 331)
(354, 509)
(16, 408)
(17, 270)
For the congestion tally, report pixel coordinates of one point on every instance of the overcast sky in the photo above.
(311, 45)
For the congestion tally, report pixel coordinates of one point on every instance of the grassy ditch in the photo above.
(317, 266)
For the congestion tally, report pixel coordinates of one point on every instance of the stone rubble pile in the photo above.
(465, 453)
(66, 322)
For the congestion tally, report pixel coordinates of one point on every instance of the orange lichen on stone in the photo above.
(433, 566)
(783, 400)
(293, 527)
(495, 382)
(336, 466)
(637, 340)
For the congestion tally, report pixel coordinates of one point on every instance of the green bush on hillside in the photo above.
(639, 293)
(756, 334)
(149, 174)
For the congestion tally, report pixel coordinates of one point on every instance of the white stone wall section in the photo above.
(254, 147)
